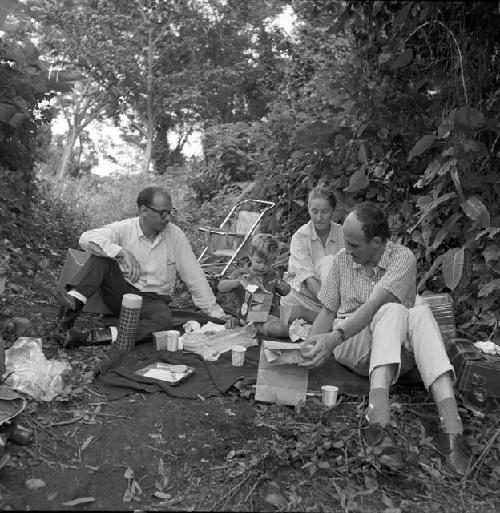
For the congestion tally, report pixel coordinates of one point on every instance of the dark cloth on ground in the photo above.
(212, 379)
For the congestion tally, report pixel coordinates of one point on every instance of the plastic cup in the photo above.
(238, 355)
(172, 340)
(329, 394)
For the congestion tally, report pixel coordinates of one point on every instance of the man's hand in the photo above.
(319, 348)
(131, 263)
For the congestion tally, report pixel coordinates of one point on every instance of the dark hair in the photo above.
(266, 246)
(325, 191)
(373, 221)
(147, 195)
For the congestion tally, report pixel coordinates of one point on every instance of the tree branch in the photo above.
(456, 44)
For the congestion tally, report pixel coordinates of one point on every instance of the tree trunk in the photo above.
(149, 148)
(150, 107)
(67, 153)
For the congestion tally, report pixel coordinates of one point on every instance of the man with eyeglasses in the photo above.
(141, 255)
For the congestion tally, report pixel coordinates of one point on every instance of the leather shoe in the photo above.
(454, 452)
(70, 309)
(379, 438)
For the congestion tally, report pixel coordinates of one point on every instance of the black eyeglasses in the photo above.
(162, 213)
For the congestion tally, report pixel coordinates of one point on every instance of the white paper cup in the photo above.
(160, 339)
(329, 394)
(172, 340)
(238, 355)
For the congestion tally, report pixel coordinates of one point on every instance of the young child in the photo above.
(264, 251)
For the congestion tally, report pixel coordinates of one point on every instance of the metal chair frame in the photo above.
(221, 231)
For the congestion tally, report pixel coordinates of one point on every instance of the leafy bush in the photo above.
(232, 153)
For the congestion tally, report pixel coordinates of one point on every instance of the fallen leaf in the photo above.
(277, 500)
(136, 487)
(34, 484)
(86, 443)
(127, 496)
(95, 468)
(81, 500)
(230, 412)
(161, 495)
(201, 397)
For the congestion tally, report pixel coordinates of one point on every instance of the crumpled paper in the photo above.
(488, 347)
(209, 327)
(211, 345)
(31, 373)
(299, 330)
(283, 353)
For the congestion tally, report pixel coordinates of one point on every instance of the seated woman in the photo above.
(311, 251)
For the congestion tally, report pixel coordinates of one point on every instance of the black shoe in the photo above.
(70, 309)
(75, 338)
(382, 445)
(454, 452)
(94, 337)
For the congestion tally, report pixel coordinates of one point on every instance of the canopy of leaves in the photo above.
(176, 64)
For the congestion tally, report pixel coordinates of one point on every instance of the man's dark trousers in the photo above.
(105, 274)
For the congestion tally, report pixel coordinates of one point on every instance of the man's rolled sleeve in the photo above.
(103, 241)
(400, 276)
(192, 274)
(329, 294)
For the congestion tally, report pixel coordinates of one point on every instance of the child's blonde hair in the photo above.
(265, 246)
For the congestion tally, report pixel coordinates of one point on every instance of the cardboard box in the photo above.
(474, 368)
(75, 260)
(257, 306)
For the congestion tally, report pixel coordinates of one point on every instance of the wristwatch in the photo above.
(342, 333)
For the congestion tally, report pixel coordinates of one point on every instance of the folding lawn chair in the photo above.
(233, 237)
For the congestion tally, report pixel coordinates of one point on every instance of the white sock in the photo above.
(114, 333)
(78, 296)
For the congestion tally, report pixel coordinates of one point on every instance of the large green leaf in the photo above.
(445, 230)
(403, 59)
(453, 266)
(476, 210)
(468, 117)
(358, 181)
(422, 145)
(490, 287)
(430, 272)
(6, 112)
(317, 134)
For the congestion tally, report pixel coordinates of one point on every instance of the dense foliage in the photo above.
(398, 102)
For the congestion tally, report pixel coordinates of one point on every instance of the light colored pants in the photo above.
(397, 335)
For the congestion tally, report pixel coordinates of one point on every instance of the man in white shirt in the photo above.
(140, 255)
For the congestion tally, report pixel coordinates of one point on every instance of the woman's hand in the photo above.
(313, 285)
